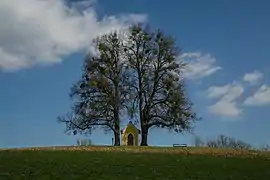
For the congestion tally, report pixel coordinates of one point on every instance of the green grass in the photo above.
(113, 164)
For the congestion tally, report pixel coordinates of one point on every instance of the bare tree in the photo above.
(155, 69)
(84, 142)
(198, 141)
(101, 94)
(223, 141)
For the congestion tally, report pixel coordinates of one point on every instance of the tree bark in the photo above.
(144, 135)
(116, 139)
(116, 128)
(116, 109)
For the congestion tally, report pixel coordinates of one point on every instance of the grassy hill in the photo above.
(119, 163)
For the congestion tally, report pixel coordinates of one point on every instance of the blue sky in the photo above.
(42, 48)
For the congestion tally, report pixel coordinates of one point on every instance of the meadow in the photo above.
(130, 163)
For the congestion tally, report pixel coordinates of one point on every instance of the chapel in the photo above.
(130, 135)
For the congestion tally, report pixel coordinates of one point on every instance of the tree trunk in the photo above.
(144, 135)
(116, 110)
(116, 139)
(116, 128)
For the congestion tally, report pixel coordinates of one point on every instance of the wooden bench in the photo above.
(179, 145)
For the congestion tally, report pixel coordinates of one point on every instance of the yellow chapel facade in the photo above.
(130, 135)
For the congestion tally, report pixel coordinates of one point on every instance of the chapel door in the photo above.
(130, 140)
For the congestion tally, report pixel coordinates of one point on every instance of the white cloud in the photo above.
(253, 77)
(227, 94)
(225, 109)
(36, 32)
(218, 91)
(199, 65)
(261, 97)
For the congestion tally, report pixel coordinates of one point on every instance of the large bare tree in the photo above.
(156, 79)
(101, 95)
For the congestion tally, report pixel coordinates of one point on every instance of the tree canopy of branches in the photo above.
(157, 81)
(139, 73)
(222, 141)
(100, 95)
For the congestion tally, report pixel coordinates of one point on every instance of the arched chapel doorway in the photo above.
(130, 140)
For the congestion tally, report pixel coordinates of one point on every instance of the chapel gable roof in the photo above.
(130, 123)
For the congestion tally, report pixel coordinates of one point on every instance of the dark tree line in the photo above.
(223, 141)
(139, 75)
